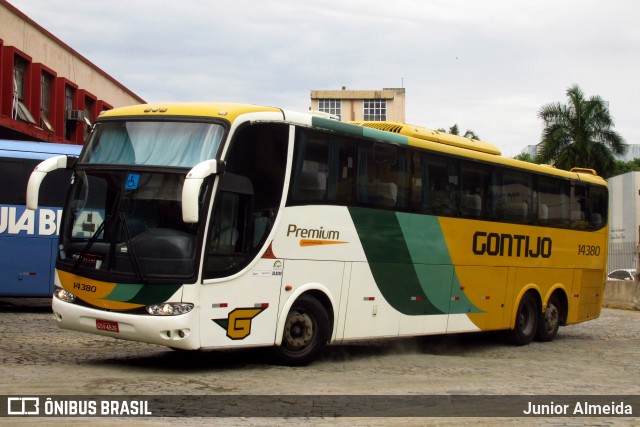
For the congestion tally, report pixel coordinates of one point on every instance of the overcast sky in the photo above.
(487, 65)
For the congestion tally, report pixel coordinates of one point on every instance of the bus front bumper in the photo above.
(179, 331)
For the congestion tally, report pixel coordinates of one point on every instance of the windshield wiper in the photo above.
(90, 243)
(122, 221)
(127, 236)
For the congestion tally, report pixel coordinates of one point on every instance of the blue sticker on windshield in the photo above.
(132, 181)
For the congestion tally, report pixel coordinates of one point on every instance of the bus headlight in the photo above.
(169, 308)
(63, 295)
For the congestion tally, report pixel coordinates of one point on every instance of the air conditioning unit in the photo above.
(75, 115)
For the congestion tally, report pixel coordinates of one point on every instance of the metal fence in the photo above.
(622, 255)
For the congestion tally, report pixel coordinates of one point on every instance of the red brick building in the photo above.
(48, 91)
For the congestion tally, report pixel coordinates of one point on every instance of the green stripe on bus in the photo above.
(359, 131)
(124, 292)
(410, 262)
(430, 257)
(142, 294)
(385, 136)
(432, 261)
(390, 261)
(337, 126)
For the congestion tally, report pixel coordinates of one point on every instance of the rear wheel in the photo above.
(550, 321)
(306, 332)
(526, 321)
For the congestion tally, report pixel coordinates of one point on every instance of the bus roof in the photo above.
(228, 111)
(395, 133)
(433, 135)
(403, 134)
(36, 149)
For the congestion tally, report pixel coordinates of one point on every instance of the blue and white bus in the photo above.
(28, 238)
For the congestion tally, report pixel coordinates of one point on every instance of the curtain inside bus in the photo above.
(154, 143)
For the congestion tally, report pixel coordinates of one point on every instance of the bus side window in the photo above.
(553, 202)
(418, 182)
(476, 194)
(311, 169)
(440, 185)
(227, 246)
(16, 172)
(598, 205)
(227, 225)
(340, 184)
(249, 197)
(578, 206)
(323, 169)
(515, 197)
(381, 172)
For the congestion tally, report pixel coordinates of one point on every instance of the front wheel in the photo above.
(306, 332)
(550, 322)
(526, 321)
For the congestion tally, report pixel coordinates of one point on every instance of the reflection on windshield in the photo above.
(178, 144)
(128, 223)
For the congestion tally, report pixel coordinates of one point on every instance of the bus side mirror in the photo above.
(41, 171)
(193, 183)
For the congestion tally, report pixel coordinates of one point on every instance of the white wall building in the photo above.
(624, 214)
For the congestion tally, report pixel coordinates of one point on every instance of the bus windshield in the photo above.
(148, 143)
(123, 219)
(128, 223)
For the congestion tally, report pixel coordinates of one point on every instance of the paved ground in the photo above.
(597, 357)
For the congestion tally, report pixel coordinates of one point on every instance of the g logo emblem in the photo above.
(238, 323)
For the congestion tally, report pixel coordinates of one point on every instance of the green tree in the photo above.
(580, 134)
(525, 157)
(620, 167)
(454, 130)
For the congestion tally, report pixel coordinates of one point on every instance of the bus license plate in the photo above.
(107, 325)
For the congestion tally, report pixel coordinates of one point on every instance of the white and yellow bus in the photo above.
(207, 226)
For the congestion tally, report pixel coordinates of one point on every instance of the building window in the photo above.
(375, 110)
(69, 125)
(87, 122)
(19, 110)
(46, 83)
(331, 106)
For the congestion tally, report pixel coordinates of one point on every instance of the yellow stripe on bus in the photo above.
(311, 242)
(92, 291)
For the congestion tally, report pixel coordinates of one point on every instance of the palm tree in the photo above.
(453, 130)
(580, 134)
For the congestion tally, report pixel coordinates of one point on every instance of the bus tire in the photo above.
(306, 332)
(526, 324)
(550, 320)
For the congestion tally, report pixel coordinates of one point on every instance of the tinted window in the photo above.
(382, 179)
(248, 198)
(553, 201)
(340, 170)
(514, 198)
(476, 198)
(15, 174)
(324, 169)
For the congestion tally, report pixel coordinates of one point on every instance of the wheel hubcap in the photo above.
(526, 319)
(298, 331)
(551, 317)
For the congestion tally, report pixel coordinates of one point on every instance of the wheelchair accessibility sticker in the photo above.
(132, 181)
